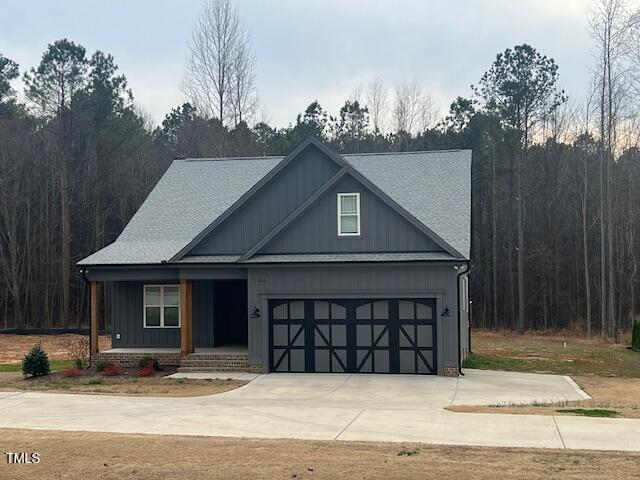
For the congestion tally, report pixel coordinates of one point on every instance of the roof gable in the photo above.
(267, 206)
(314, 230)
(431, 190)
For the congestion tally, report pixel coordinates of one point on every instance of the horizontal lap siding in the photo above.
(420, 281)
(127, 320)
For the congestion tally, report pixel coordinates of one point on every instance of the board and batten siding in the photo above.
(355, 281)
(270, 205)
(381, 228)
(127, 319)
(203, 313)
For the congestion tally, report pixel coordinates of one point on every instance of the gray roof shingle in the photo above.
(434, 187)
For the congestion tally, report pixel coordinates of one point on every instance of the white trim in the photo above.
(340, 214)
(161, 306)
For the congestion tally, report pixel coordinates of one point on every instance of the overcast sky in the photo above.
(307, 50)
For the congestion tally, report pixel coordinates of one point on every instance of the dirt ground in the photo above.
(14, 347)
(97, 384)
(101, 456)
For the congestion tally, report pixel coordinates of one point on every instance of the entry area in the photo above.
(220, 314)
(353, 335)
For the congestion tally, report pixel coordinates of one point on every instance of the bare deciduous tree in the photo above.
(376, 99)
(610, 24)
(219, 77)
(408, 100)
(243, 95)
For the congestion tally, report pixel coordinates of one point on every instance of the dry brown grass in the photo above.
(14, 347)
(98, 384)
(101, 456)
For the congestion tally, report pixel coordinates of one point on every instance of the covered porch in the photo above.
(170, 319)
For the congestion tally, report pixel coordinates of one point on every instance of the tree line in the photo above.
(555, 181)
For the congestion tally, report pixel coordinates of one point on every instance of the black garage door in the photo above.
(355, 336)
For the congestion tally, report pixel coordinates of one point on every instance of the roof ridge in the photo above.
(368, 154)
(361, 154)
(228, 159)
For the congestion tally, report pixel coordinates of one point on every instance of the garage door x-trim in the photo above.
(355, 335)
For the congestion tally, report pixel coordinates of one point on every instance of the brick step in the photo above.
(214, 364)
(218, 369)
(218, 356)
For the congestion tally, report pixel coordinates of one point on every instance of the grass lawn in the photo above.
(53, 365)
(548, 354)
(80, 455)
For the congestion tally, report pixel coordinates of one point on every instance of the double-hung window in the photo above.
(161, 306)
(348, 214)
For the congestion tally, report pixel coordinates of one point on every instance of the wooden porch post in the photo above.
(186, 326)
(95, 312)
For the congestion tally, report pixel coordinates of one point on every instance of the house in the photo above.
(315, 262)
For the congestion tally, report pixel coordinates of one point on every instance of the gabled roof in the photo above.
(432, 188)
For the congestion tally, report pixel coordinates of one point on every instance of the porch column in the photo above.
(95, 313)
(186, 320)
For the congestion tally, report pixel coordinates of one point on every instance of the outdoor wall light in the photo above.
(255, 313)
(446, 312)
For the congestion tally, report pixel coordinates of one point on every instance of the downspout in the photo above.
(83, 272)
(466, 270)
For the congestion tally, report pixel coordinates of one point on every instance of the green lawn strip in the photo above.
(591, 412)
(576, 359)
(53, 364)
(489, 362)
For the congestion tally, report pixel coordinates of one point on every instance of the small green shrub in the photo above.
(149, 362)
(95, 381)
(101, 365)
(635, 336)
(36, 362)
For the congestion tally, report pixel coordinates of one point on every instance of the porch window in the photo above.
(161, 306)
(348, 214)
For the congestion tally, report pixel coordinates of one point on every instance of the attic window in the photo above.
(348, 214)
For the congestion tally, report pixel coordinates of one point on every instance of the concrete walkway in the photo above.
(394, 408)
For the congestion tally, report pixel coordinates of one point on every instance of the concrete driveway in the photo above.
(343, 407)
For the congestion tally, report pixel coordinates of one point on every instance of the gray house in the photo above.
(315, 262)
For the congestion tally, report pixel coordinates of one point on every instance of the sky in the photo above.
(311, 49)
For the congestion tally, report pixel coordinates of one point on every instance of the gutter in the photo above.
(466, 270)
(83, 272)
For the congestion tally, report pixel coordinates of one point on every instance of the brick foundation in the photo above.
(450, 371)
(131, 359)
